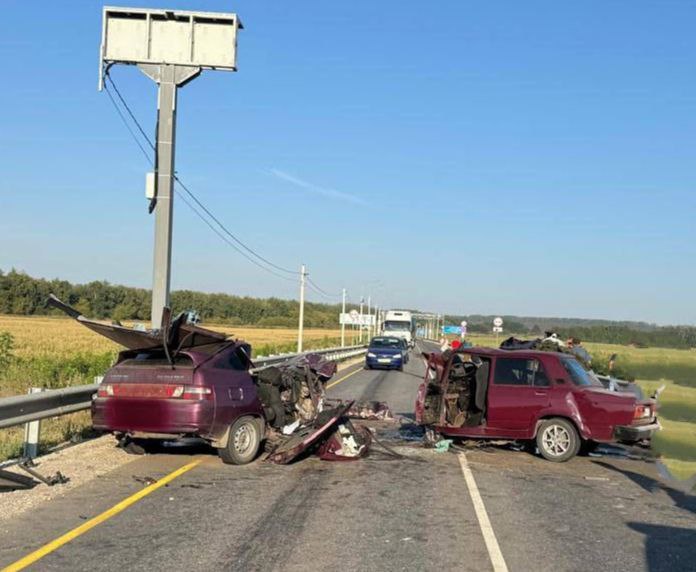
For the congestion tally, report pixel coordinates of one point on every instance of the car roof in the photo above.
(497, 352)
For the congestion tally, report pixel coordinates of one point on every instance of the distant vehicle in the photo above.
(544, 397)
(400, 323)
(387, 352)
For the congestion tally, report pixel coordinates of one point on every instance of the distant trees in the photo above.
(24, 295)
(638, 334)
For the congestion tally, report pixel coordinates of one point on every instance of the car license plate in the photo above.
(384, 360)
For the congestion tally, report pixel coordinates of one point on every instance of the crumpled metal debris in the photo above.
(371, 410)
(301, 419)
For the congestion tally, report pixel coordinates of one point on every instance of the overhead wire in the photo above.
(321, 291)
(187, 190)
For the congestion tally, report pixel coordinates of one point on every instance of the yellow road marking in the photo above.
(97, 520)
(343, 378)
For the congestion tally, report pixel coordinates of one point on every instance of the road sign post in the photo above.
(497, 328)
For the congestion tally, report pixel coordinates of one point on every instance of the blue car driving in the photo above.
(387, 352)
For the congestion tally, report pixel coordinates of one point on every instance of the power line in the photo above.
(223, 237)
(125, 122)
(128, 109)
(181, 184)
(321, 290)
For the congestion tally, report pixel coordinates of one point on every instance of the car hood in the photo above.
(178, 333)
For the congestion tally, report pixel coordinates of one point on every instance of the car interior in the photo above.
(463, 397)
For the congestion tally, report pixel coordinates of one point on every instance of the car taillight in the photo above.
(191, 392)
(642, 412)
(105, 390)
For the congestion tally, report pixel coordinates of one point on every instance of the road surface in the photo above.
(490, 508)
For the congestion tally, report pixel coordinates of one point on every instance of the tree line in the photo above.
(25, 295)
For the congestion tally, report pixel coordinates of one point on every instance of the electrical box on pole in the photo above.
(171, 47)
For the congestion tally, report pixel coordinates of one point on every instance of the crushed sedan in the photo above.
(186, 381)
(542, 397)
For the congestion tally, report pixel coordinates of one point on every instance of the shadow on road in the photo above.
(681, 499)
(667, 548)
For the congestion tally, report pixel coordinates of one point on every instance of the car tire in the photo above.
(139, 446)
(243, 442)
(557, 440)
(368, 367)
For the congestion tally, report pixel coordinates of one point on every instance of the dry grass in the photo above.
(54, 336)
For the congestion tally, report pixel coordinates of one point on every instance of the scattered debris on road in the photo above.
(371, 410)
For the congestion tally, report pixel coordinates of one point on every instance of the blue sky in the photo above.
(480, 156)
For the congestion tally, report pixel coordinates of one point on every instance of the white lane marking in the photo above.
(494, 552)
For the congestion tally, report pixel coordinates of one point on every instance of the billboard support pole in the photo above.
(168, 78)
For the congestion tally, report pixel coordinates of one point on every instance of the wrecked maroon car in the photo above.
(536, 396)
(186, 381)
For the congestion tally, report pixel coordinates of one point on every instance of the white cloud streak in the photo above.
(316, 189)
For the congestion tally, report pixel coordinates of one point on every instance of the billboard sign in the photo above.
(355, 319)
(452, 330)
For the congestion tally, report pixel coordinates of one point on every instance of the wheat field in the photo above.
(53, 336)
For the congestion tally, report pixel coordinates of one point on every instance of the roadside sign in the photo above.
(497, 329)
(498, 322)
(451, 329)
(464, 324)
(353, 319)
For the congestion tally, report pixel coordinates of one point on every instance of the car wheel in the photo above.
(243, 442)
(558, 440)
(368, 366)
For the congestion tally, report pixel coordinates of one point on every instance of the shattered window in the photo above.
(230, 360)
(578, 374)
(520, 371)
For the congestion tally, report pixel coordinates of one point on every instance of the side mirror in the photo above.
(560, 380)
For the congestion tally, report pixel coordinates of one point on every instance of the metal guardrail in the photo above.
(22, 409)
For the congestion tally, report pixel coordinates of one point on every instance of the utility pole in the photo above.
(368, 317)
(362, 301)
(343, 324)
(300, 328)
(376, 324)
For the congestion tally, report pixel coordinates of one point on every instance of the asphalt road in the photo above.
(380, 513)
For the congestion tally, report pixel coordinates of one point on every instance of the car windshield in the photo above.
(578, 374)
(391, 326)
(385, 343)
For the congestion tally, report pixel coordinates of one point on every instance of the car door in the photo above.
(519, 391)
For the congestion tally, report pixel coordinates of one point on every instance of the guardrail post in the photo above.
(31, 433)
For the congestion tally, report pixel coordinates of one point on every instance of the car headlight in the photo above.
(370, 354)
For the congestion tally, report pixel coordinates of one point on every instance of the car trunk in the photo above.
(149, 375)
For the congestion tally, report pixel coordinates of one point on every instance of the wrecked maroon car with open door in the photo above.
(187, 381)
(535, 396)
